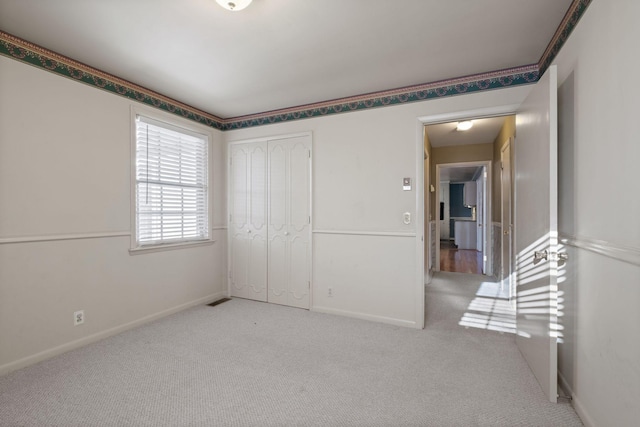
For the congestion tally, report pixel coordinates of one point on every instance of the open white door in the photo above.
(536, 230)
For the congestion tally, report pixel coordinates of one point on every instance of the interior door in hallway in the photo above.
(536, 230)
(248, 220)
(289, 230)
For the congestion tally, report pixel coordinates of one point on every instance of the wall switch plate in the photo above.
(406, 184)
(78, 318)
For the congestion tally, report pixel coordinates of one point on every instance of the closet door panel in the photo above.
(299, 204)
(239, 246)
(298, 295)
(258, 194)
(278, 277)
(239, 267)
(289, 221)
(257, 221)
(239, 186)
(299, 185)
(277, 187)
(269, 224)
(278, 274)
(257, 268)
(247, 222)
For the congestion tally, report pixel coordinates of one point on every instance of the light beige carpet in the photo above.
(249, 363)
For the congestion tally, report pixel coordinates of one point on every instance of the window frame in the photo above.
(171, 121)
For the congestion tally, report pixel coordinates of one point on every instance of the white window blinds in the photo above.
(171, 184)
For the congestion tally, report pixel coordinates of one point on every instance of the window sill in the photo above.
(169, 247)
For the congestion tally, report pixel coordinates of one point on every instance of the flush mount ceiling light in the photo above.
(234, 5)
(466, 125)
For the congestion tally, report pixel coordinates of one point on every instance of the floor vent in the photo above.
(220, 301)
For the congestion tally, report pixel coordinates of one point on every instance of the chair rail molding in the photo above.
(626, 254)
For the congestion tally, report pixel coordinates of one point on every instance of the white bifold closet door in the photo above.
(289, 218)
(270, 220)
(248, 221)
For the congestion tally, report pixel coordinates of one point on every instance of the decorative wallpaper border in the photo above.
(444, 88)
(568, 23)
(21, 50)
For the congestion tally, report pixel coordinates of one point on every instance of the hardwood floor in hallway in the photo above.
(457, 260)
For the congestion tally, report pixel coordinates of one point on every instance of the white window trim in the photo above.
(172, 120)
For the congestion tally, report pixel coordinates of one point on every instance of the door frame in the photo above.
(421, 183)
(229, 195)
(487, 195)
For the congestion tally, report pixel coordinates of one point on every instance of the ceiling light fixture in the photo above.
(466, 125)
(234, 5)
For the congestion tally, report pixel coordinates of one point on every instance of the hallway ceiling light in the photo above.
(234, 5)
(466, 125)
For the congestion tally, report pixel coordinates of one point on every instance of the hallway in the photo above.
(457, 260)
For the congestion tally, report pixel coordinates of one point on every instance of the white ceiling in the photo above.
(484, 131)
(458, 173)
(283, 53)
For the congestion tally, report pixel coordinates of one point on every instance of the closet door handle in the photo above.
(248, 230)
(286, 233)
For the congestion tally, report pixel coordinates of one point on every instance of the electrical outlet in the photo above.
(330, 292)
(78, 318)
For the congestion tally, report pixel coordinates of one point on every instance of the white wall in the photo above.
(599, 153)
(65, 176)
(362, 248)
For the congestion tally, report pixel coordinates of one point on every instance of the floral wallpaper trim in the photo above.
(459, 86)
(21, 50)
(569, 22)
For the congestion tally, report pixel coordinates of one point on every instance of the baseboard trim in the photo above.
(564, 385)
(64, 348)
(575, 402)
(363, 316)
(582, 412)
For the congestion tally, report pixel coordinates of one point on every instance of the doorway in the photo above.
(466, 192)
(426, 235)
(463, 201)
(534, 225)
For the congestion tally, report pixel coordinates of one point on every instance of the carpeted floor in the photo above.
(249, 363)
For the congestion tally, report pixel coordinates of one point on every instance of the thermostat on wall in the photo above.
(406, 184)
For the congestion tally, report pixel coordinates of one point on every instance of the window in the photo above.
(171, 184)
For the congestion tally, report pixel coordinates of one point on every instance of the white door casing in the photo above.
(536, 230)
